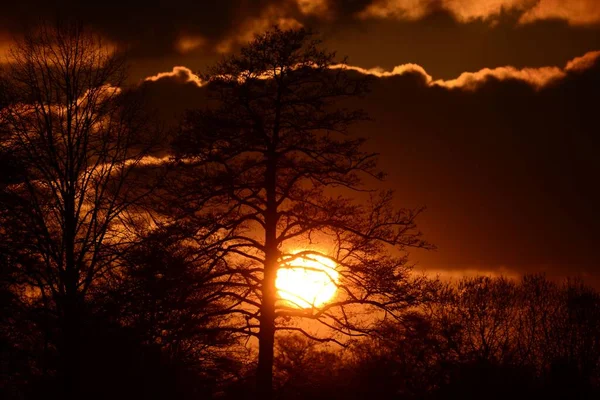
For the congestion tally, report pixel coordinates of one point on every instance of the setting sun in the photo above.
(308, 281)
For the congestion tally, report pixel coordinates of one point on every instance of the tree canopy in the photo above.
(268, 173)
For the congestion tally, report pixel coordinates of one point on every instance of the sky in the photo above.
(484, 111)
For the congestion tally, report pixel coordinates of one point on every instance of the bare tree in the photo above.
(268, 173)
(305, 368)
(478, 316)
(76, 136)
(164, 292)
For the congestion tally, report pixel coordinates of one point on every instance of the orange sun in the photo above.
(307, 281)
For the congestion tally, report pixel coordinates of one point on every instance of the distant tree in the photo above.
(304, 369)
(74, 135)
(573, 345)
(405, 359)
(536, 334)
(269, 169)
(484, 312)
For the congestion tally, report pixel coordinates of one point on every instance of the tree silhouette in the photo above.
(304, 369)
(268, 173)
(165, 293)
(74, 135)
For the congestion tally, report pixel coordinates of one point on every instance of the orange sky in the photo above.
(484, 110)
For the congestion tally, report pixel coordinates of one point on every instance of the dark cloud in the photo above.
(507, 168)
(575, 12)
(152, 28)
(509, 172)
(446, 37)
(446, 47)
(169, 95)
(348, 8)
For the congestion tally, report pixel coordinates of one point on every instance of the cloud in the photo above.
(188, 43)
(179, 74)
(482, 9)
(147, 31)
(314, 7)
(249, 28)
(534, 77)
(584, 62)
(399, 9)
(505, 159)
(576, 12)
(444, 36)
(396, 71)
(506, 167)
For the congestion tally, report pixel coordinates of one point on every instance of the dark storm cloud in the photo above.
(447, 37)
(170, 94)
(447, 47)
(505, 160)
(508, 171)
(151, 27)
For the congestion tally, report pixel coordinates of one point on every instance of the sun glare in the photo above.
(307, 281)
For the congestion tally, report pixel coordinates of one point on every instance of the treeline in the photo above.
(126, 273)
(477, 337)
(491, 338)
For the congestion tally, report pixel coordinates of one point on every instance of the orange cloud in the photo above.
(180, 74)
(399, 9)
(482, 9)
(576, 12)
(538, 78)
(188, 43)
(397, 70)
(535, 77)
(313, 7)
(584, 62)
(270, 16)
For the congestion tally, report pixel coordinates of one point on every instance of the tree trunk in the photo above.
(71, 306)
(266, 340)
(71, 349)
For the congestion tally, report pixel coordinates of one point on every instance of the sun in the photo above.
(307, 281)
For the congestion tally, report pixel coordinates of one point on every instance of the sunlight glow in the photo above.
(307, 281)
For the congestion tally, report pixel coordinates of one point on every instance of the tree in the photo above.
(268, 172)
(485, 310)
(306, 369)
(74, 134)
(163, 294)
